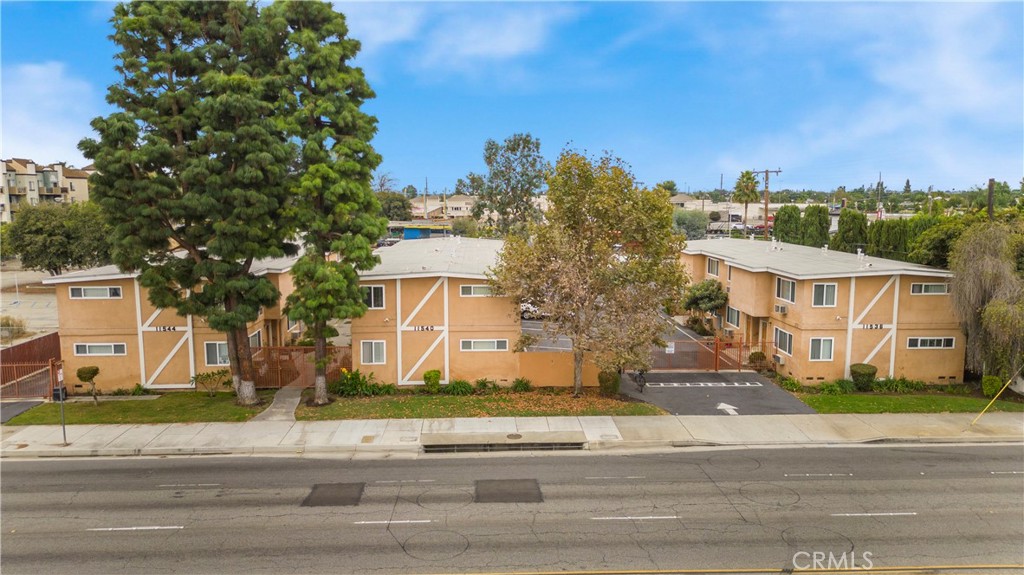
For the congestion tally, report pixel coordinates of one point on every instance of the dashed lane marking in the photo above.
(151, 528)
(635, 518)
(705, 384)
(873, 514)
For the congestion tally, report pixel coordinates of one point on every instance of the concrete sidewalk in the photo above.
(408, 437)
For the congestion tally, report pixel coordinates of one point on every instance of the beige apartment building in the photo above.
(825, 310)
(105, 319)
(430, 307)
(26, 183)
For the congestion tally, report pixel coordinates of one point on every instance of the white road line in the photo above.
(152, 528)
(620, 477)
(1006, 472)
(391, 522)
(817, 475)
(635, 518)
(407, 481)
(704, 384)
(190, 485)
(872, 514)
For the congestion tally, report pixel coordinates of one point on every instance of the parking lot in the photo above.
(715, 393)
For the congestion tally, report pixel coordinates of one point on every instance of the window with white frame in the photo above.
(824, 295)
(713, 267)
(217, 353)
(95, 292)
(374, 296)
(821, 348)
(728, 272)
(256, 339)
(372, 352)
(294, 325)
(784, 341)
(484, 344)
(929, 289)
(475, 291)
(930, 342)
(101, 349)
(732, 316)
(785, 289)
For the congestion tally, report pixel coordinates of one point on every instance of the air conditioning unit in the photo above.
(728, 289)
(781, 309)
(778, 359)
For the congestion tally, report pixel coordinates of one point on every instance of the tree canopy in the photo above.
(814, 226)
(852, 233)
(601, 267)
(55, 237)
(396, 206)
(515, 175)
(692, 223)
(745, 191)
(787, 224)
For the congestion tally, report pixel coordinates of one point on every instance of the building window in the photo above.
(713, 267)
(930, 342)
(294, 325)
(31, 185)
(785, 290)
(372, 352)
(475, 291)
(256, 339)
(821, 348)
(824, 295)
(784, 341)
(484, 344)
(929, 289)
(105, 292)
(732, 316)
(101, 349)
(729, 272)
(217, 353)
(374, 296)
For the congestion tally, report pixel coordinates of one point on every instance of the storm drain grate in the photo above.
(485, 447)
(334, 495)
(508, 491)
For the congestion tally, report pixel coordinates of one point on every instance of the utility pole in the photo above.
(991, 197)
(766, 173)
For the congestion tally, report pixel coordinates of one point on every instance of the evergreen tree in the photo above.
(515, 175)
(191, 167)
(814, 226)
(333, 204)
(787, 224)
(852, 233)
(906, 187)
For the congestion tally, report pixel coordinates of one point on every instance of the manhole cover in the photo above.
(769, 494)
(436, 545)
(508, 491)
(514, 436)
(334, 495)
(444, 499)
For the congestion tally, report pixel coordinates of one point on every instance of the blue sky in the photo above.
(831, 93)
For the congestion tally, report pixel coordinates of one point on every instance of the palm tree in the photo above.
(746, 192)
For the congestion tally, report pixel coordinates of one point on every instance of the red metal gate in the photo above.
(278, 367)
(29, 380)
(711, 354)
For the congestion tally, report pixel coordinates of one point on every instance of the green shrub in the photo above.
(830, 388)
(609, 382)
(484, 385)
(11, 327)
(897, 385)
(458, 387)
(956, 389)
(789, 384)
(87, 374)
(354, 384)
(990, 385)
(139, 390)
(305, 342)
(521, 385)
(757, 358)
(432, 381)
(121, 391)
(211, 381)
(846, 385)
(863, 375)
(696, 323)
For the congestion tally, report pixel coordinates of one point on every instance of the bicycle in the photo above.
(639, 379)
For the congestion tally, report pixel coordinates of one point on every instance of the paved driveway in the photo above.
(700, 393)
(9, 409)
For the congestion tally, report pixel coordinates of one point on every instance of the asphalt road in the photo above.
(10, 409)
(700, 509)
(715, 393)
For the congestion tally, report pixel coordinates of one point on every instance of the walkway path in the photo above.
(283, 408)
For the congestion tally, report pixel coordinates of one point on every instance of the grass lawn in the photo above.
(533, 404)
(180, 407)
(918, 403)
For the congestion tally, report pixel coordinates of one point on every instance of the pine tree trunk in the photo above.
(233, 361)
(320, 362)
(246, 392)
(577, 372)
(745, 205)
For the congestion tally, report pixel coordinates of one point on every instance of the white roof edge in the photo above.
(907, 271)
(422, 275)
(92, 278)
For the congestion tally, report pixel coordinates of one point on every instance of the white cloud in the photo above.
(379, 25)
(942, 95)
(46, 111)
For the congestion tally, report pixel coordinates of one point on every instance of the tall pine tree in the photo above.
(787, 224)
(191, 169)
(814, 226)
(852, 233)
(333, 203)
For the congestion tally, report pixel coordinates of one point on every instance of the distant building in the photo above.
(26, 183)
(825, 310)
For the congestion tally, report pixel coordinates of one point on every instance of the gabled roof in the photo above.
(449, 256)
(803, 262)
